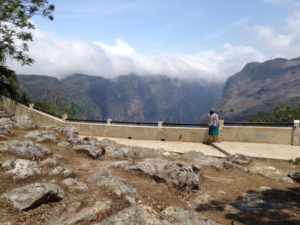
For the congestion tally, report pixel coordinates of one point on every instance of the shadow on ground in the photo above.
(270, 207)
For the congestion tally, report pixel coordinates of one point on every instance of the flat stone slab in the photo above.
(33, 195)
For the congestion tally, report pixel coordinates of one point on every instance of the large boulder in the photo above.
(117, 184)
(84, 216)
(20, 168)
(26, 149)
(177, 174)
(23, 122)
(91, 151)
(42, 136)
(33, 195)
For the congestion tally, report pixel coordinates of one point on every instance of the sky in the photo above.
(190, 39)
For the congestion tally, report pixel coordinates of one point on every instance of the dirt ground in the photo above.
(217, 189)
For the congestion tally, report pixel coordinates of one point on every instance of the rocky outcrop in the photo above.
(91, 151)
(177, 174)
(20, 168)
(42, 136)
(33, 195)
(117, 184)
(26, 149)
(6, 126)
(84, 216)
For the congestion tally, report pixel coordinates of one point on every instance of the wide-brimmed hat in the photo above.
(212, 109)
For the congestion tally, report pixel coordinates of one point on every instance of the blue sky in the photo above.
(209, 39)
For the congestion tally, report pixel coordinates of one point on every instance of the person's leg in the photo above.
(219, 139)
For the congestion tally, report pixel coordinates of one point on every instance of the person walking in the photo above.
(213, 125)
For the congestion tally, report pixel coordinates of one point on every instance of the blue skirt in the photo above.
(213, 130)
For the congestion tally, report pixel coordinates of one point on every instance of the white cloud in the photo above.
(281, 44)
(56, 56)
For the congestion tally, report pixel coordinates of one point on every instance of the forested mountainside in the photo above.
(126, 98)
(260, 87)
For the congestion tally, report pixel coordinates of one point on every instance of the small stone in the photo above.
(63, 144)
(75, 184)
(49, 163)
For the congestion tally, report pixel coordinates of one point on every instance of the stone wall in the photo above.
(274, 135)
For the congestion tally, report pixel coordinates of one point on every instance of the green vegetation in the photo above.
(15, 27)
(281, 113)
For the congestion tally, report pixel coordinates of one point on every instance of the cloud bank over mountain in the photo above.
(59, 57)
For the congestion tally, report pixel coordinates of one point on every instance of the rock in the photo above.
(239, 159)
(90, 140)
(167, 154)
(288, 180)
(26, 149)
(63, 144)
(3, 137)
(117, 184)
(20, 168)
(61, 171)
(295, 176)
(33, 195)
(23, 122)
(123, 164)
(185, 217)
(230, 165)
(6, 126)
(117, 151)
(5, 223)
(84, 216)
(74, 184)
(199, 200)
(69, 131)
(91, 151)
(75, 140)
(201, 159)
(42, 136)
(178, 174)
(107, 142)
(264, 188)
(49, 163)
(138, 214)
(57, 156)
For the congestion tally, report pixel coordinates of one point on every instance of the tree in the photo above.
(281, 113)
(15, 30)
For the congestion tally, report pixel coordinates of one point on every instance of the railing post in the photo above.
(31, 105)
(160, 124)
(221, 124)
(296, 133)
(64, 116)
(108, 121)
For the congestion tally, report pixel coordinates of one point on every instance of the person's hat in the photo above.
(212, 109)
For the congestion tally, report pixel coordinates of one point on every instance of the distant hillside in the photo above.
(126, 98)
(260, 87)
